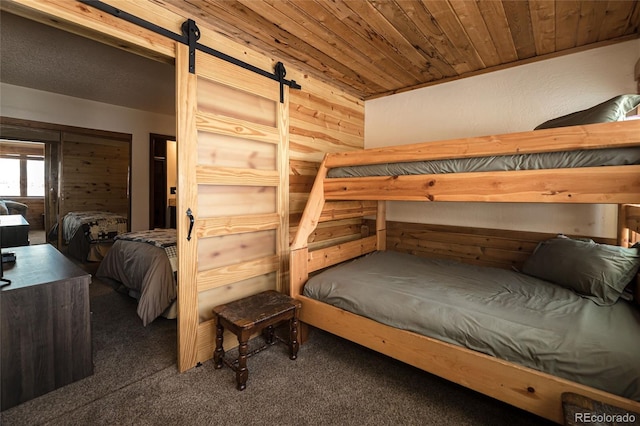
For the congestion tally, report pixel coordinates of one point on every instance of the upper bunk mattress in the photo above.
(498, 312)
(545, 160)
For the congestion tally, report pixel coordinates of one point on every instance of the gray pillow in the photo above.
(615, 109)
(599, 272)
(3, 208)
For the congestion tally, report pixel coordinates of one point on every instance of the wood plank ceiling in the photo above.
(379, 47)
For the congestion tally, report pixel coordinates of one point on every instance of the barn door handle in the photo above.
(191, 222)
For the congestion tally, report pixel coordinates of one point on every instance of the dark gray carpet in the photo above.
(333, 382)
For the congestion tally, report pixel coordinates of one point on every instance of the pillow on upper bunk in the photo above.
(615, 109)
(599, 272)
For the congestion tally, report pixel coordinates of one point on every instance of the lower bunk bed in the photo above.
(458, 341)
(143, 264)
(515, 337)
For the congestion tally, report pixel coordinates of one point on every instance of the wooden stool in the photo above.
(252, 314)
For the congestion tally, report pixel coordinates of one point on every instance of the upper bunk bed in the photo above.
(555, 163)
(605, 183)
(585, 164)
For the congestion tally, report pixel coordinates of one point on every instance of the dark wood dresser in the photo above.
(45, 324)
(14, 231)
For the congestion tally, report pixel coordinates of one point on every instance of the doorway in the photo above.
(162, 181)
(23, 183)
(83, 169)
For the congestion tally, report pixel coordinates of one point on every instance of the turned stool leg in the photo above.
(268, 334)
(218, 354)
(293, 337)
(242, 374)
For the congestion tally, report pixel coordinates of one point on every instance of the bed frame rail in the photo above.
(323, 258)
(522, 387)
(587, 185)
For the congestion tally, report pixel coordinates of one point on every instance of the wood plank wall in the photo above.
(487, 247)
(322, 120)
(95, 174)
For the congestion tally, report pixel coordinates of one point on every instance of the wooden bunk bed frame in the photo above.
(529, 389)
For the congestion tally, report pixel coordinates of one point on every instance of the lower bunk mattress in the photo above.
(502, 313)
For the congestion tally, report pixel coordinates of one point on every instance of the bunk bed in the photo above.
(520, 385)
(143, 264)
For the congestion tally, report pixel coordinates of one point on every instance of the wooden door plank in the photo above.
(230, 274)
(227, 225)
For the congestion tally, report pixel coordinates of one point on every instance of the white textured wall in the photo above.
(510, 100)
(29, 104)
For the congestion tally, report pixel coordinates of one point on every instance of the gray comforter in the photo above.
(498, 312)
(145, 269)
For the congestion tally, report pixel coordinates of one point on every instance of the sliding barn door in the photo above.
(232, 193)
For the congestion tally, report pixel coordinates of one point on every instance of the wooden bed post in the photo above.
(298, 275)
(381, 226)
(299, 268)
(623, 228)
(299, 253)
(632, 222)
